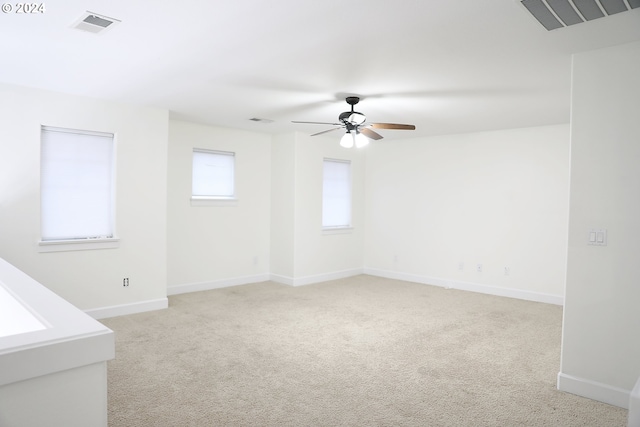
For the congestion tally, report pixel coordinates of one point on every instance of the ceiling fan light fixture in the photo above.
(361, 140)
(357, 133)
(347, 140)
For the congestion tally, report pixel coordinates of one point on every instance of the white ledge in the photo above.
(214, 201)
(337, 230)
(60, 336)
(78, 244)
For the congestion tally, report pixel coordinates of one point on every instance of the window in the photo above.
(213, 175)
(76, 185)
(336, 194)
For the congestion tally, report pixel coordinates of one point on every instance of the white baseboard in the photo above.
(594, 390)
(139, 307)
(132, 308)
(634, 406)
(285, 280)
(308, 280)
(468, 286)
(216, 284)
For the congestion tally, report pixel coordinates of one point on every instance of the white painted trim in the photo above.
(594, 390)
(308, 280)
(162, 303)
(397, 275)
(132, 308)
(329, 231)
(634, 406)
(285, 280)
(468, 286)
(216, 284)
(70, 340)
(212, 201)
(78, 244)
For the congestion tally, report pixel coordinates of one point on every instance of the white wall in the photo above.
(74, 397)
(54, 375)
(301, 252)
(493, 198)
(496, 198)
(600, 348)
(322, 256)
(209, 246)
(283, 172)
(88, 279)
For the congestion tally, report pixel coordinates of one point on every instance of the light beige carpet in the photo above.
(362, 351)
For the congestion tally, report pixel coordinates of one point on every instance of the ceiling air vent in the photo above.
(553, 14)
(94, 23)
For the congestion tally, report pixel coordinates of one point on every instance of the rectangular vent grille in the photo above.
(96, 20)
(94, 23)
(554, 14)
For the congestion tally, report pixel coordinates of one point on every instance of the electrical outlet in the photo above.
(479, 268)
(125, 282)
(507, 271)
(461, 266)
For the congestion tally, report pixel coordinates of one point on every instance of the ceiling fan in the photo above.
(358, 133)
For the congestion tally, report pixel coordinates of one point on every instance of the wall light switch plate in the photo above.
(597, 237)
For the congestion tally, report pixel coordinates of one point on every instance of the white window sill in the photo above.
(78, 245)
(337, 230)
(213, 201)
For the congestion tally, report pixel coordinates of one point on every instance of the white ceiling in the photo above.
(445, 66)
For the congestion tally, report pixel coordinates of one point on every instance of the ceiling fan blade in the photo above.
(325, 131)
(317, 123)
(392, 126)
(370, 134)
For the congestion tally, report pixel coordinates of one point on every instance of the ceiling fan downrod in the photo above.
(353, 118)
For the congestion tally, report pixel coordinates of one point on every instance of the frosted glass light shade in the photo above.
(347, 140)
(361, 140)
